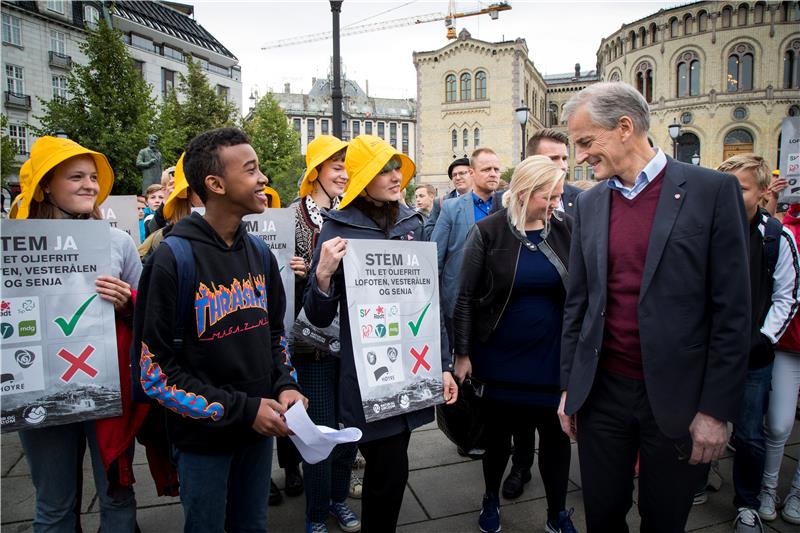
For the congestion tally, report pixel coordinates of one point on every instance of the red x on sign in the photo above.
(77, 363)
(420, 357)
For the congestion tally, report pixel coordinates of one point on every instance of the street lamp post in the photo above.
(674, 133)
(696, 159)
(336, 88)
(522, 117)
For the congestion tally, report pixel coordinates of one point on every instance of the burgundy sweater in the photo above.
(629, 225)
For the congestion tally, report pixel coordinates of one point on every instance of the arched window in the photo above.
(476, 138)
(615, 76)
(737, 141)
(644, 80)
(742, 15)
(450, 88)
(740, 68)
(465, 138)
(702, 21)
(632, 39)
(688, 145)
(758, 13)
(726, 16)
(642, 37)
(552, 115)
(466, 86)
(791, 66)
(687, 24)
(673, 27)
(480, 85)
(653, 33)
(688, 75)
(454, 139)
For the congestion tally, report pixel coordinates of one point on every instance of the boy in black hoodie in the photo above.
(228, 382)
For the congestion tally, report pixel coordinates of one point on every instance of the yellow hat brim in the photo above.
(366, 163)
(180, 189)
(275, 202)
(317, 152)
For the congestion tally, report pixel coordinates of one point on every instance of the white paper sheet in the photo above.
(315, 443)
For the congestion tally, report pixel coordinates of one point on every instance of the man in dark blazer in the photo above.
(555, 145)
(657, 316)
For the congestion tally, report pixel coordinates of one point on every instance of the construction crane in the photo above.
(492, 10)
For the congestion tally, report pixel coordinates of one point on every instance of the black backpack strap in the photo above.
(186, 277)
(263, 252)
(772, 240)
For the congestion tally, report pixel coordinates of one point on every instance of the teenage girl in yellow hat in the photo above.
(370, 209)
(67, 181)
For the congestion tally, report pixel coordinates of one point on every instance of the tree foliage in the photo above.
(109, 107)
(277, 146)
(194, 107)
(8, 153)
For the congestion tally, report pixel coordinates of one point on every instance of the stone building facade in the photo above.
(392, 119)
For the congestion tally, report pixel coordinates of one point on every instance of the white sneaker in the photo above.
(791, 507)
(768, 505)
(747, 521)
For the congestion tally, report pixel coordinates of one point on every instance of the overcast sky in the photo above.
(559, 34)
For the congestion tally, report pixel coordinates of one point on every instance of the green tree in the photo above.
(109, 107)
(277, 146)
(8, 153)
(193, 108)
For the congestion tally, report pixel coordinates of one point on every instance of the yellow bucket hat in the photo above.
(47, 153)
(275, 199)
(366, 156)
(318, 151)
(179, 190)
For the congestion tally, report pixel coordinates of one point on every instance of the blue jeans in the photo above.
(55, 457)
(748, 438)
(226, 492)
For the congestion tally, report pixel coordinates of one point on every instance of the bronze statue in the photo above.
(149, 162)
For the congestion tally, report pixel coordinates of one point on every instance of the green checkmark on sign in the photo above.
(69, 327)
(415, 327)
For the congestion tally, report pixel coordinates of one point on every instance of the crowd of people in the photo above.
(639, 316)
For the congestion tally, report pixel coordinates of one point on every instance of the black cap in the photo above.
(461, 162)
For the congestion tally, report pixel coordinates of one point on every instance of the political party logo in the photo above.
(34, 414)
(5, 308)
(26, 328)
(364, 312)
(26, 307)
(404, 401)
(6, 330)
(24, 358)
(394, 329)
(380, 330)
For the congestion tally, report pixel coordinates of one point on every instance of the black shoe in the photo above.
(294, 482)
(275, 496)
(514, 484)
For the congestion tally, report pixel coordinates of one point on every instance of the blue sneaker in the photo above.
(316, 527)
(489, 519)
(562, 525)
(348, 521)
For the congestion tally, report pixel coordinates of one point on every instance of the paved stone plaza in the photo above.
(443, 495)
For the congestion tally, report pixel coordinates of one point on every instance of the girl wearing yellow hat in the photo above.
(68, 181)
(327, 482)
(370, 209)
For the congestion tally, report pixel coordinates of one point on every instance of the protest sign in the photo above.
(122, 212)
(790, 160)
(276, 228)
(59, 349)
(393, 311)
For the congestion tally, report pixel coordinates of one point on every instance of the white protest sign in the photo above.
(122, 212)
(59, 348)
(393, 310)
(790, 160)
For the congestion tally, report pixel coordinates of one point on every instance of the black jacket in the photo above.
(487, 274)
(234, 350)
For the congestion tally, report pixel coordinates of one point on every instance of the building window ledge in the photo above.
(18, 101)
(60, 61)
(17, 46)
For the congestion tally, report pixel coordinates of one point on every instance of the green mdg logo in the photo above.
(394, 329)
(27, 328)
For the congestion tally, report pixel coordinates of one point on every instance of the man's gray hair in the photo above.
(607, 102)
